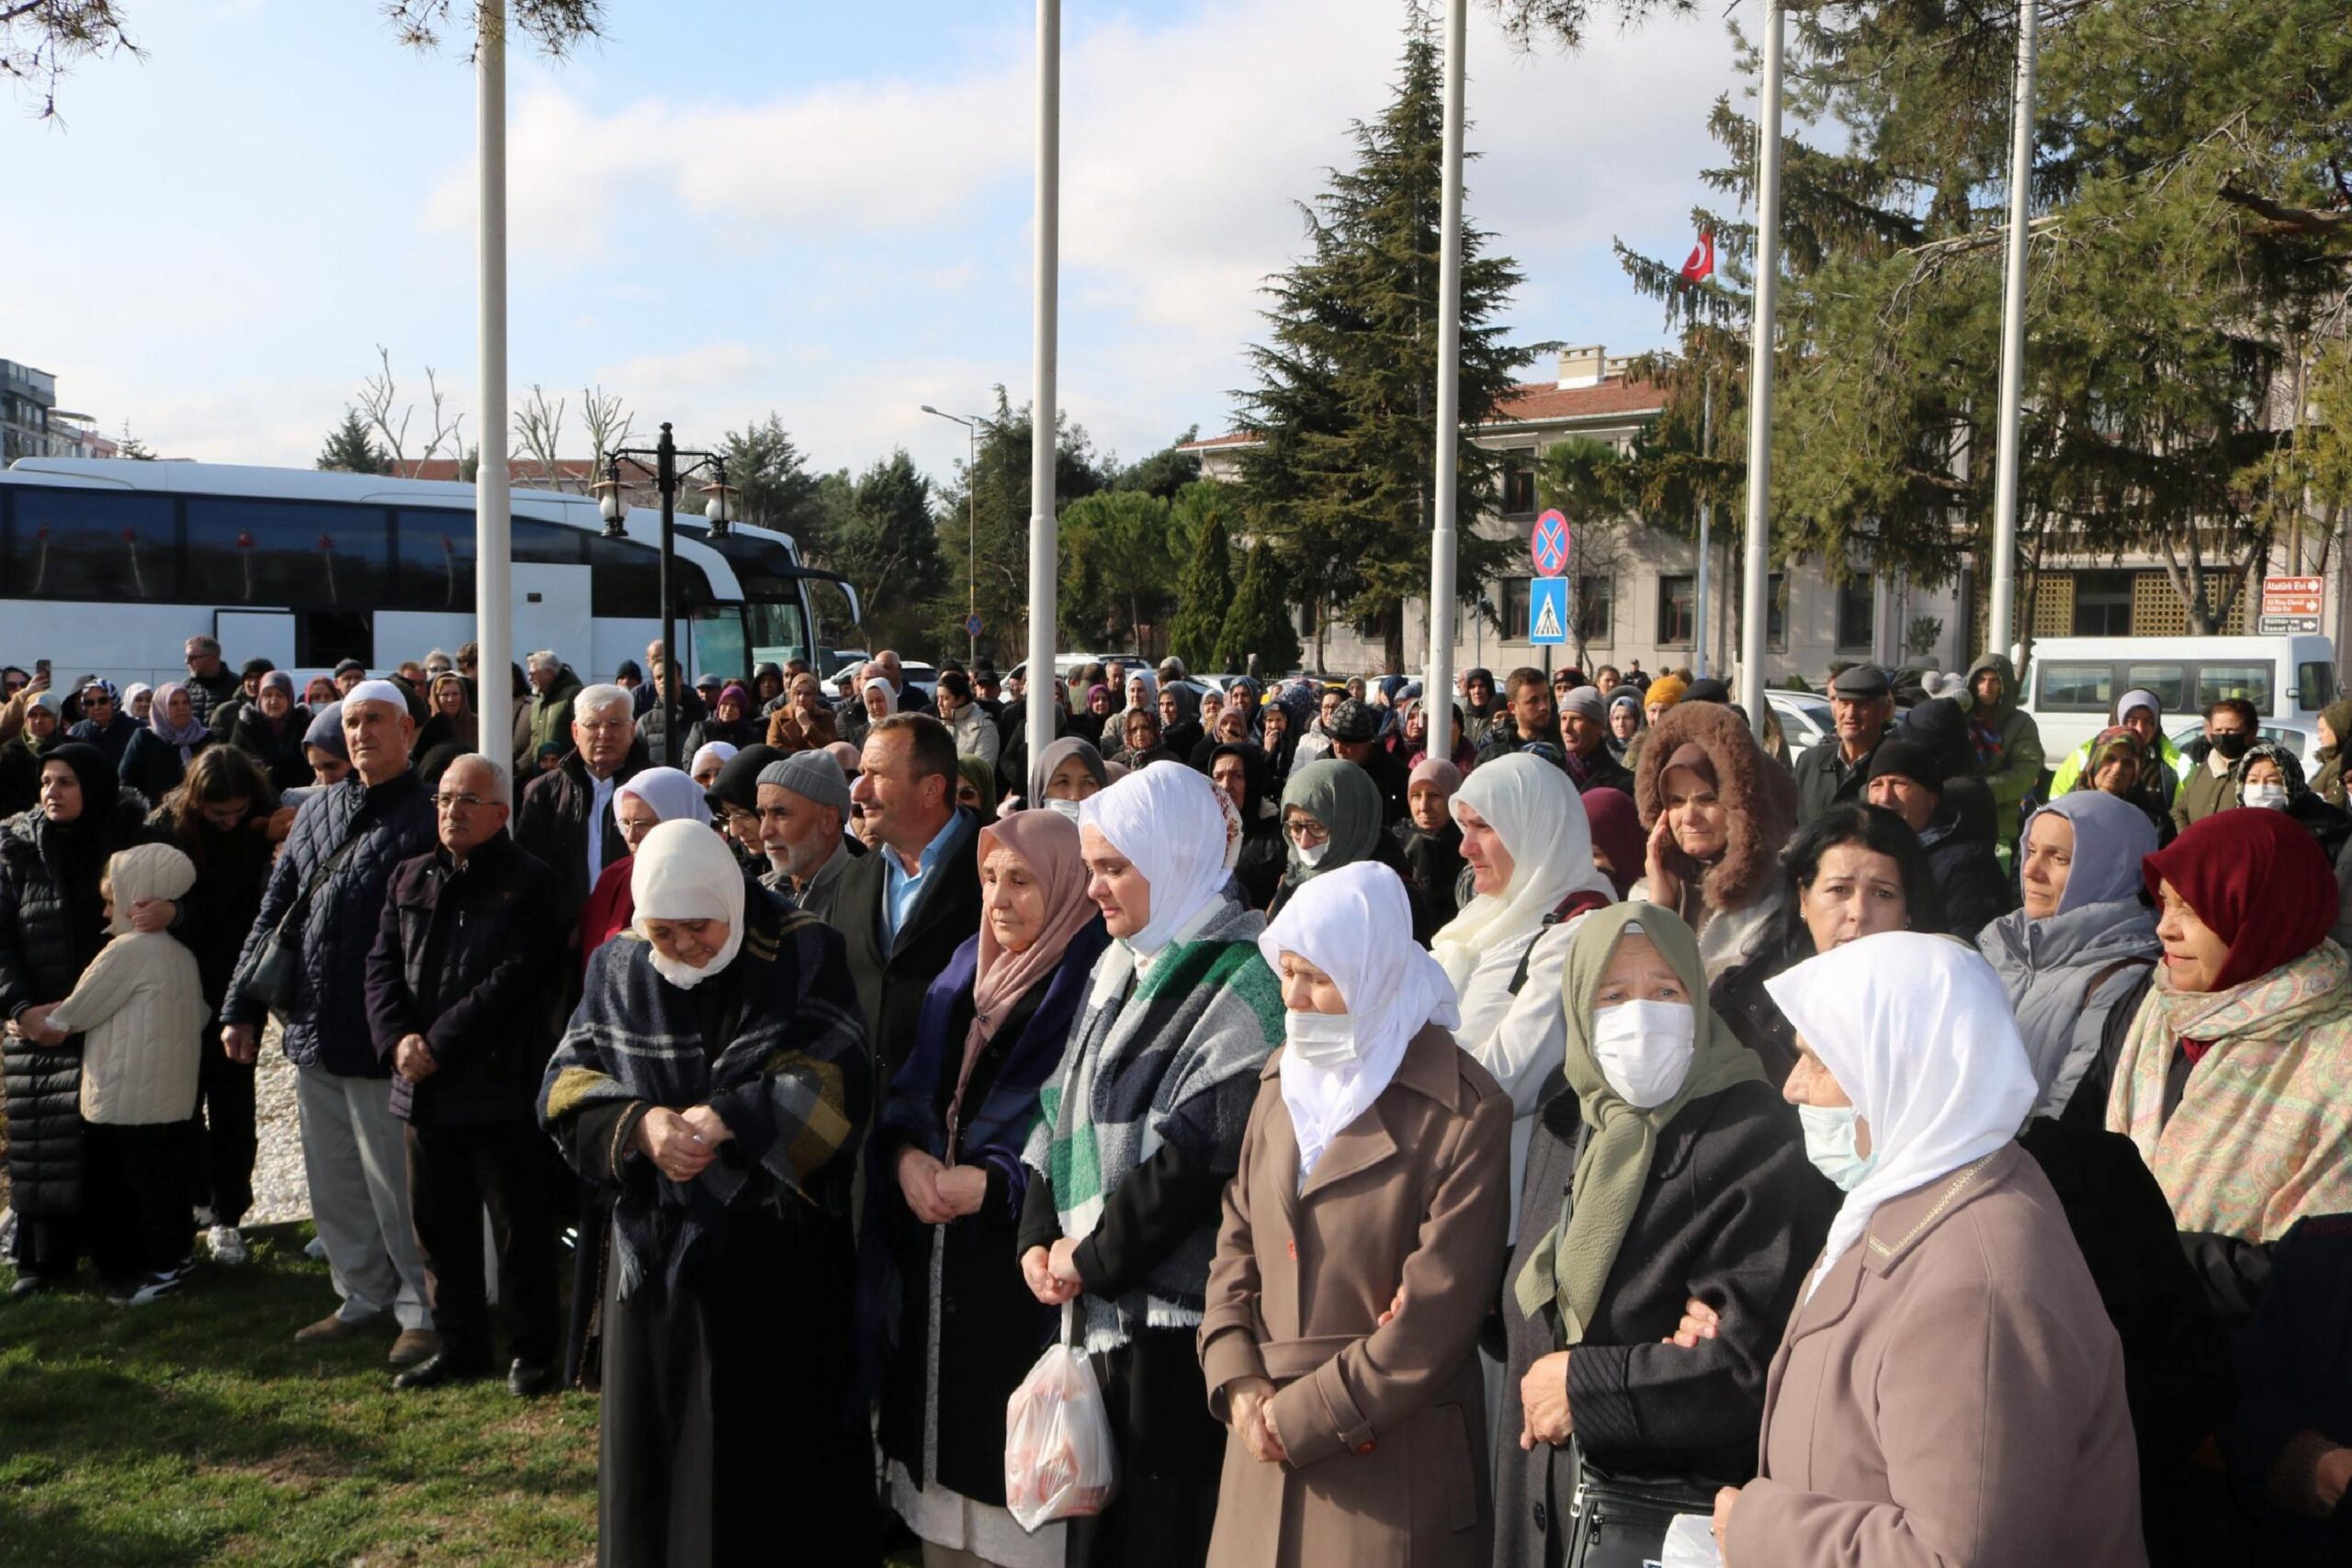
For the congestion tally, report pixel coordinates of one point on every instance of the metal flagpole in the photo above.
(1044, 684)
(1755, 589)
(1437, 688)
(1706, 521)
(2000, 625)
(493, 595)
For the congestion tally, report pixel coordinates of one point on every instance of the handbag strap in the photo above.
(300, 908)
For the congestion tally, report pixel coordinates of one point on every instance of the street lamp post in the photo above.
(972, 519)
(661, 462)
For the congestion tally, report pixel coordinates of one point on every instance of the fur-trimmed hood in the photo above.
(1759, 793)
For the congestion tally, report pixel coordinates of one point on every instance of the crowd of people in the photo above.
(1903, 1151)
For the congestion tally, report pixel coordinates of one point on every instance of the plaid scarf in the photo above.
(1167, 1056)
(788, 1077)
(2258, 1140)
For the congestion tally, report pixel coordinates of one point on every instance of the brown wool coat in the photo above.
(1952, 1395)
(1384, 1426)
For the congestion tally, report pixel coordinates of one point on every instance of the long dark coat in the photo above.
(1734, 1214)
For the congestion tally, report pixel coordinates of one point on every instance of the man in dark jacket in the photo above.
(339, 858)
(1356, 730)
(1905, 779)
(1834, 769)
(458, 983)
(803, 809)
(1584, 736)
(209, 681)
(567, 815)
(904, 909)
(1529, 718)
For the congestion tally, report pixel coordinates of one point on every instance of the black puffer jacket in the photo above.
(49, 933)
(328, 1023)
(231, 872)
(467, 957)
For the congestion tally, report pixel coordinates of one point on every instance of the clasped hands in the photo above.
(33, 1024)
(1543, 1392)
(680, 1144)
(937, 1192)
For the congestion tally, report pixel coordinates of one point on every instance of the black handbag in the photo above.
(275, 974)
(1620, 1521)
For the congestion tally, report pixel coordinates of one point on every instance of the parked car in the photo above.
(1804, 718)
(2303, 739)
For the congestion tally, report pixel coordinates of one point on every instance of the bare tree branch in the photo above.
(376, 395)
(42, 40)
(451, 430)
(608, 419)
(539, 428)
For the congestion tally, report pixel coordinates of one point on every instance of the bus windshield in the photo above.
(778, 632)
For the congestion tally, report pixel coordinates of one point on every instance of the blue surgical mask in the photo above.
(1830, 1135)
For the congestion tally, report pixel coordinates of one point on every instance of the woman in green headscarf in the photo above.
(1689, 1185)
(1333, 816)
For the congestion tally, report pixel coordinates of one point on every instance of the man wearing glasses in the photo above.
(456, 1006)
(567, 815)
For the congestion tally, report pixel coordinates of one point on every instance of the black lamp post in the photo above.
(661, 462)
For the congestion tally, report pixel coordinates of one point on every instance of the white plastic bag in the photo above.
(1058, 1461)
(1690, 1544)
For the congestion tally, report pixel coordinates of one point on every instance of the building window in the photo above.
(1517, 592)
(1677, 610)
(1596, 608)
(1519, 481)
(1776, 611)
(2103, 603)
(1857, 615)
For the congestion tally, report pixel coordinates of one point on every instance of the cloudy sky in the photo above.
(729, 206)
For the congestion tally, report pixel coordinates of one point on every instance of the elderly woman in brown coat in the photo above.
(1950, 1392)
(1362, 1241)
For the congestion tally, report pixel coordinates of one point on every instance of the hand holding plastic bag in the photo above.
(1058, 1461)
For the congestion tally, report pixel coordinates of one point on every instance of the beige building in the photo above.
(1635, 590)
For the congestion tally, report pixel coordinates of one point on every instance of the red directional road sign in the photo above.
(1549, 544)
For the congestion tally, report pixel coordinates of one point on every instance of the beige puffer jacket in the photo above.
(139, 1005)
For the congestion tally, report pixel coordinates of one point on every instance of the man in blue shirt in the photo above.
(906, 908)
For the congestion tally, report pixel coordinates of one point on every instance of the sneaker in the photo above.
(27, 1285)
(146, 1288)
(228, 1245)
(315, 1250)
(205, 1217)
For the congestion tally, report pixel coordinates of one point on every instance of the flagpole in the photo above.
(1756, 590)
(1437, 687)
(1045, 418)
(2000, 625)
(493, 593)
(1706, 520)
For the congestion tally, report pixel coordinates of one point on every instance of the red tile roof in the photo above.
(1530, 402)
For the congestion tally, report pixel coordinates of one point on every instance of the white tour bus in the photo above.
(2073, 683)
(108, 566)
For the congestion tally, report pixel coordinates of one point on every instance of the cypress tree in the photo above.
(1259, 620)
(1205, 602)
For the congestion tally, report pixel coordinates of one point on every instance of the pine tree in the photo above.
(1259, 623)
(2188, 258)
(1344, 410)
(350, 450)
(1206, 600)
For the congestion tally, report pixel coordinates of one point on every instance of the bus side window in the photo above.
(96, 545)
(306, 555)
(2251, 681)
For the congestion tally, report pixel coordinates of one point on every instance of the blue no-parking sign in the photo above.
(1547, 610)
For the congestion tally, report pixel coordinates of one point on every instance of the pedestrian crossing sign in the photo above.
(1547, 610)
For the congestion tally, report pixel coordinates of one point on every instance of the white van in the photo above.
(2073, 683)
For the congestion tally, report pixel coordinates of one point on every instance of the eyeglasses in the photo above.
(460, 802)
(1307, 831)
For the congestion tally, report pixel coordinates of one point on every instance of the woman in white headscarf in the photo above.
(715, 1078)
(642, 802)
(1950, 1390)
(1141, 1128)
(880, 697)
(1361, 1241)
(1530, 852)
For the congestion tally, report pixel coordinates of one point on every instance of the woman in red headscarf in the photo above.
(2235, 1073)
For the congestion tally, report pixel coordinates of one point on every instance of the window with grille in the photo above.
(1519, 481)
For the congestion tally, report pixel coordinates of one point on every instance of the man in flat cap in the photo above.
(1355, 738)
(1834, 770)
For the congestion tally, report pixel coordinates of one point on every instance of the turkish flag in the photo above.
(1701, 264)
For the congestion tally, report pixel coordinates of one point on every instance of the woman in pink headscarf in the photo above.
(945, 1196)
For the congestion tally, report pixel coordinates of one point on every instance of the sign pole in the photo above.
(493, 592)
(1044, 423)
(1756, 590)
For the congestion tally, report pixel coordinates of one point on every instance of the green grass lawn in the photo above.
(196, 1431)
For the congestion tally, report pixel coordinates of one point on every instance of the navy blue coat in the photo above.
(328, 1024)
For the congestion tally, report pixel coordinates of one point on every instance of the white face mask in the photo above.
(2270, 797)
(1645, 1049)
(1321, 1038)
(1064, 808)
(1830, 1135)
(1311, 855)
